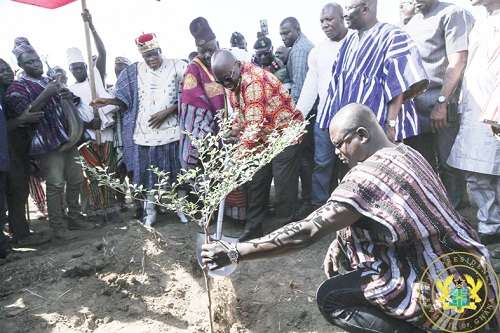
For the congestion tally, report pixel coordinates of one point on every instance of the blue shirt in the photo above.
(4, 152)
(297, 65)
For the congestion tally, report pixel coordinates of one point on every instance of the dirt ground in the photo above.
(123, 278)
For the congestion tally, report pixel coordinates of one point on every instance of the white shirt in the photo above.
(158, 90)
(82, 90)
(320, 62)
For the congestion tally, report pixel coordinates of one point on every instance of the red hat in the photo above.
(147, 42)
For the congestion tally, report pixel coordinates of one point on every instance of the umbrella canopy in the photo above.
(50, 4)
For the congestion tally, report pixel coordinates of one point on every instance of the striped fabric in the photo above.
(37, 193)
(384, 63)
(407, 223)
(164, 157)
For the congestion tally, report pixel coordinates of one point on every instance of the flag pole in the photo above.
(91, 70)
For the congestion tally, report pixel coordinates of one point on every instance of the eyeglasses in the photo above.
(228, 79)
(338, 145)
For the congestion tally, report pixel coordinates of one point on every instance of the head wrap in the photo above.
(147, 42)
(236, 39)
(122, 60)
(74, 55)
(262, 42)
(21, 46)
(201, 31)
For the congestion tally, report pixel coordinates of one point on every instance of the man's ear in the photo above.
(363, 133)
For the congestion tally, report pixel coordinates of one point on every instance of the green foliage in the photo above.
(224, 167)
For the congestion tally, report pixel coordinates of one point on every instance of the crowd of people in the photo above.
(403, 126)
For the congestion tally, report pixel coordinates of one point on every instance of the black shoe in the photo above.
(487, 239)
(249, 234)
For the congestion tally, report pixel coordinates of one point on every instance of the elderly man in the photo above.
(202, 98)
(476, 150)
(318, 78)
(392, 219)
(148, 93)
(63, 174)
(121, 63)
(380, 67)
(441, 32)
(297, 67)
(260, 104)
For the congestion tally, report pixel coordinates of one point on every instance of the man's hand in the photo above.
(52, 88)
(438, 117)
(87, 17)
(65, 93)
(158, 119)
(101, 102)
(28, 117)
(214, 255)
(328, 261)
(391, 133)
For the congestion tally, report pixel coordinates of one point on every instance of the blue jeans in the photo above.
(324, 162)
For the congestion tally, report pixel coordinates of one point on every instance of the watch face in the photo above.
(441, 99)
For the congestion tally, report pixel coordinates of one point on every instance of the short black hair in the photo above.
(292, 21)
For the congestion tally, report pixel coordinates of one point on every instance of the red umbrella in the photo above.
(50, 4)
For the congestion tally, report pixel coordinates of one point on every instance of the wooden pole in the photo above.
(91, 70)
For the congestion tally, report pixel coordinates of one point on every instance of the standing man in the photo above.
(99, 199)
(297, 67)
(380, 67)
(37, 93)
(202, 98)
(441, 32)
(239, 47)
(15, 180)
(261, 105)
(148, 93)
(476, 150)
(318, 78)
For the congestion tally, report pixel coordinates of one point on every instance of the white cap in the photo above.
(74, 55)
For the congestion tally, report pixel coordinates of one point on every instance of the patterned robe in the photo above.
(374, 69)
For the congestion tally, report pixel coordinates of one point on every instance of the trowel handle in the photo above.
(220, 218)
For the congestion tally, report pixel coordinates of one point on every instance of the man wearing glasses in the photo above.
(261, 104)
(391, 214)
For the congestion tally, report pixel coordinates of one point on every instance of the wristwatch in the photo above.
(233, 254)
(392, 123)
(441, 99)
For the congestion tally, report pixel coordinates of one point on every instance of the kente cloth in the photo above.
(158, 90)
(480, 100)
(100, 198)
(106, 114)
(407, 223)
(261, 105)
(201, 100)
(37, 193)
(127, 90)
(51, 131)
(373, 69)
